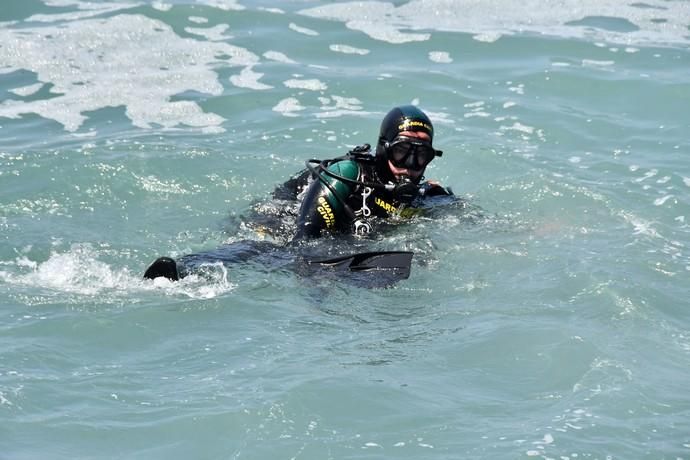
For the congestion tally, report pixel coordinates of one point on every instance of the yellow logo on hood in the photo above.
(407, 124)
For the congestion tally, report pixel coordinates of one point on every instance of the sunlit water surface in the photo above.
(553, 326)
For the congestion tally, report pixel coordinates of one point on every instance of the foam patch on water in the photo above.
(79, 271)
(27, 90)
(346, 49)
(214, 34)
(226, 5)
(126, 60)
(440, 57)
(161, 6)
(249, 79)
(277, 56)
(331, 107)
(85, 10)
(288, 107)
(302, 30)
(308, 84)
(337, 106)
(651, 22)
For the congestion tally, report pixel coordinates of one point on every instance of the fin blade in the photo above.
(163, 266)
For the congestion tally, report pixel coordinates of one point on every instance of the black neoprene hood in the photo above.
(404, 118)
(399, 119)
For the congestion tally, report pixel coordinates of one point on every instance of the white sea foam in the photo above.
(226, 5)
(249, 79)
(662, 200)
(161, 6)
(287, 107)
(85, 10)
(27, 90)
(379, 20)
(518, 127)
(592, 63)
(309, 84)
(337, 106)
(519, 89)
(215, 33)
(74, 271)
(302, 30)
(441, 118)
(271, 10)
(80, 271)
(649, 174)
(488, 37)
(126, 60)
(441, 57)
(346, 49)
(278, 57)
(477, 113)
(654, 22)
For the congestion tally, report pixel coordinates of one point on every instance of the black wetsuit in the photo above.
(352, 198)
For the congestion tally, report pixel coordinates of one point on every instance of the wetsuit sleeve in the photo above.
(324, 206)
(435, 189)
(290, 189)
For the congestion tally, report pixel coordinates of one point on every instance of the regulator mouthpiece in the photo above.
(406, 190)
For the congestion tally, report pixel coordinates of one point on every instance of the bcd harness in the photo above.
(404, 191)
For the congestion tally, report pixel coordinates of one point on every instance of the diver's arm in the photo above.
(434, 188)
(438, 200)
(291, 188)
(323, 207)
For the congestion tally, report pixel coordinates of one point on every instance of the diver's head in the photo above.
(404, 147)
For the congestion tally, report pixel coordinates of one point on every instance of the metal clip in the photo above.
(362, 227)
(366, 212)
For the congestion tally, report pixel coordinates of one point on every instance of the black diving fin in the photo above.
(163, 266)
(397, 262)
(394, 264)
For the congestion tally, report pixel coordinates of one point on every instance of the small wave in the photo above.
(79, 271)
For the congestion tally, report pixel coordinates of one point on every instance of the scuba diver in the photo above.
(352, 194)
(345, 194)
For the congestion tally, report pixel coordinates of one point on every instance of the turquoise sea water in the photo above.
(556, 327)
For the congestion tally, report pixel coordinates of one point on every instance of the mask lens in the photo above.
(399, 152)
(401, 148)
(424, 155)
